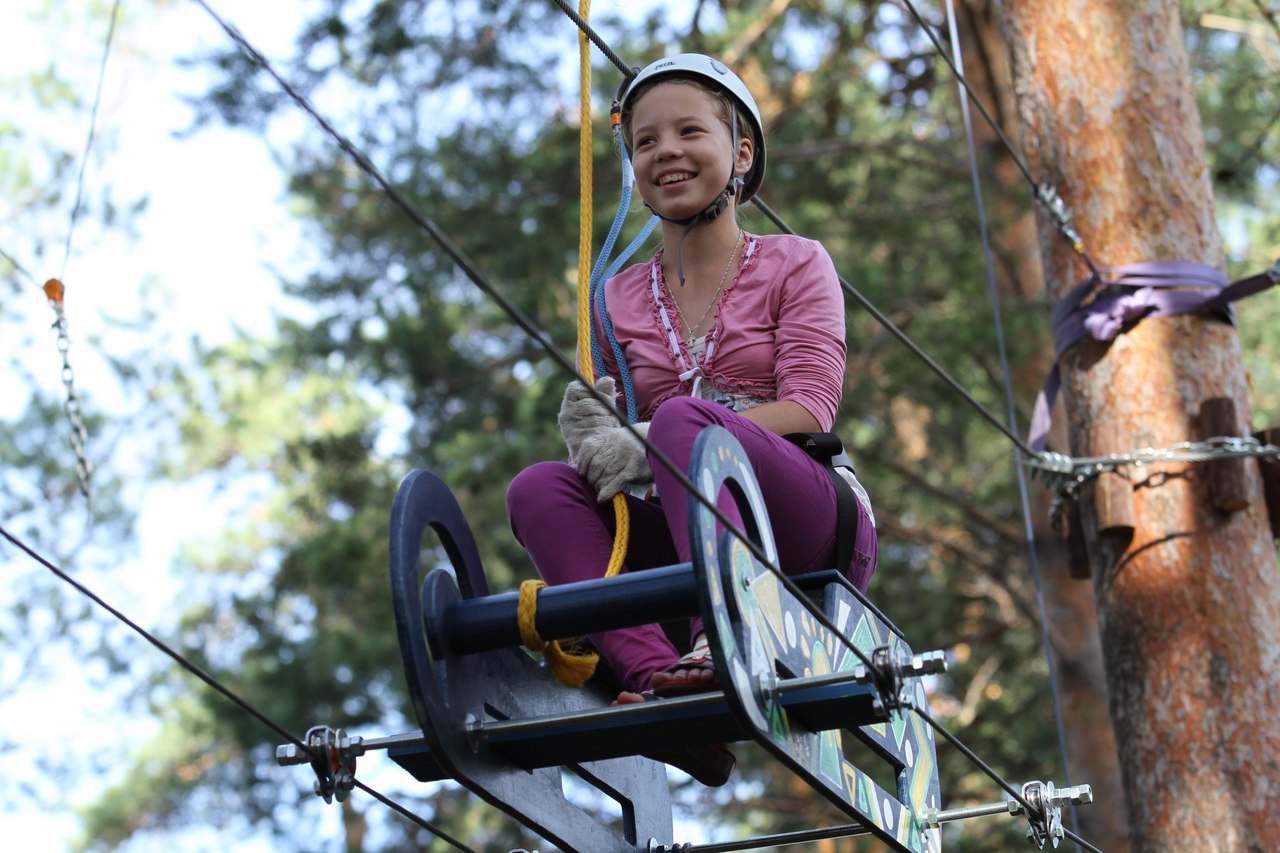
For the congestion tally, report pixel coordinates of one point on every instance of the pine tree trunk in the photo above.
(1072, 617)
(1189, 606)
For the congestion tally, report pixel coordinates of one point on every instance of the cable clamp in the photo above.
(1057, 210)
(332, 755)
(888, 675)
(1044, 820)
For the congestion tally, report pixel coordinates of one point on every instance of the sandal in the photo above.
(710, 764)
(693, 673)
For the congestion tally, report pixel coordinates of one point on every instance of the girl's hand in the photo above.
(612, 459)
(581, 414)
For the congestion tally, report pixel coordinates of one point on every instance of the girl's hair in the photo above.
(724, 107)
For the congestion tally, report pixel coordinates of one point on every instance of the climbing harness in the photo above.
(828, 451)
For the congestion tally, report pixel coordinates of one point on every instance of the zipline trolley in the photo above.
(495, 720)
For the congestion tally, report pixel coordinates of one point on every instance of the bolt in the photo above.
(768, 688)
(289, 753)
(928, 663)
(1078, 795)
(474, 728)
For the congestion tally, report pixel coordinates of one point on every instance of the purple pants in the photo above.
(569, 535)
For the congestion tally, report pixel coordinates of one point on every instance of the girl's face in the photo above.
(680, 148)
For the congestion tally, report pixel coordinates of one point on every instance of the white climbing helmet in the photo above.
(697, 66)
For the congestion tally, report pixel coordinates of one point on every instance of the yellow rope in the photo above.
(623, 525)
(570, 669)
(574, 670)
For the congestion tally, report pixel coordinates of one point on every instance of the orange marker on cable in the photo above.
(53, 289)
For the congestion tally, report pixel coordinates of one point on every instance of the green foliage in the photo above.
(1236, 55)
(406, 363)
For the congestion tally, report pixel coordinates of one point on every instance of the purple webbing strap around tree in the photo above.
(1156, 289)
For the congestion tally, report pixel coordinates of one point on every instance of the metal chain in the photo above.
(1068, 475)
(79, 435)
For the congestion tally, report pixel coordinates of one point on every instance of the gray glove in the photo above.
(612, 459)
(582, 414)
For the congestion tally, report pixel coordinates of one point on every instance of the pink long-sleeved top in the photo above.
(778, 332)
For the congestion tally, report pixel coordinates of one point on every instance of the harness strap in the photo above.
(824, 447)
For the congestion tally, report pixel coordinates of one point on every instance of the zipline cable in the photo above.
(1010, 410)
(915, 349)
(581, 22)
(209, 680)
(1047, 196)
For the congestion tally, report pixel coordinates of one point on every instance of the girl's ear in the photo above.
(746, 156)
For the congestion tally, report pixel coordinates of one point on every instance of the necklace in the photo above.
(692, 330)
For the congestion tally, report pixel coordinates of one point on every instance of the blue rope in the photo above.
(628, 387)
(594, 285)
(595, 288)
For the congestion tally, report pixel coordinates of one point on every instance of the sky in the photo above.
(203, 256)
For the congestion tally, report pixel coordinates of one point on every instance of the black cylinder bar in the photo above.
(568, 610)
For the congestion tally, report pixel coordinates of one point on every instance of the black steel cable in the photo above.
(1075, 836)
(1046, 196)
(208, 679)
(911, 345)
(627, 71)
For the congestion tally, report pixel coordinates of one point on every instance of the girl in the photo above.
(720, 327)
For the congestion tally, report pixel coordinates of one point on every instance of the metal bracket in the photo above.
(1045, 823)
(332, 755)
(1045, 820)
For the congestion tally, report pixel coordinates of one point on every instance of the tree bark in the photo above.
(1071, 613)
(1189, 608)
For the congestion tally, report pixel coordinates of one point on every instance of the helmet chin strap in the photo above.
(718, 205)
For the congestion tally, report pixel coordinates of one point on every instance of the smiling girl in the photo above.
(721, 327)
